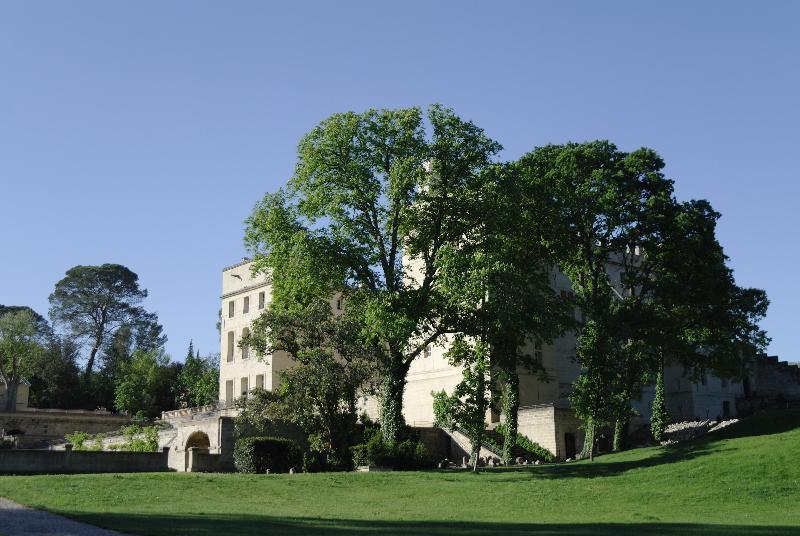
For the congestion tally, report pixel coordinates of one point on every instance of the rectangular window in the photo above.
(244, 387)
(703, 379)
(245, 347)
(261, 299)
(229, 392)
(259, 381)
(537, 352)
(338, 304)
(724, 383)
(427, 351)
(231, 308)
(230, 346)
(246, 305)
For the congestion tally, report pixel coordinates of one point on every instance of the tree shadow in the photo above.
(243, 525)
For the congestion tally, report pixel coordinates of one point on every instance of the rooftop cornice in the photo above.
(244, 261)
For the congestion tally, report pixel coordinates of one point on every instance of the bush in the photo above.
(318, 462)
(408, 453)
(259, 454)
(77, 439)
(533, 447)
(6, 443)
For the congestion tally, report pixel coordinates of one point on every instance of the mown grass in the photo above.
(745, 480)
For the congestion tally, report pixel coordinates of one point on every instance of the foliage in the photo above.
(369, 207)
(526, 443)
(465, 409)
(659, 418)
(143, 379)
(92, 302)
(55, 381)
(407, 453)
(331, 367)
(198, 381)
(262, 454)
(19, 350)
(78, 439)
(495, 281)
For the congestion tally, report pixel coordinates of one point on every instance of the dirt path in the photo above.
(19, 520)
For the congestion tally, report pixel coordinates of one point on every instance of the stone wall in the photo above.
(775, 379)
(539, 425)
(69, 461)
(40, 427)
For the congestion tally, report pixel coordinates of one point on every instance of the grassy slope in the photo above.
(744, 481)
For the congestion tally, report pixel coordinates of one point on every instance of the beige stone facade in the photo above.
(244, 297)
(545, 414)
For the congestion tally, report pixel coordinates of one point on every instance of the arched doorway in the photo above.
(198, 440)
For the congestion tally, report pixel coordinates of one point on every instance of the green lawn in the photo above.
(744, 481)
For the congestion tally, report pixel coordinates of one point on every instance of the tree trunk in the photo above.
(11, 395)
(620, 433)
(90, 363)
(391, 401)
(588, 442)
(510, 410)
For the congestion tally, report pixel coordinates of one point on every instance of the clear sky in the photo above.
(142, 133)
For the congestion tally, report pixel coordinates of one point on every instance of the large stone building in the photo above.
(545, 414)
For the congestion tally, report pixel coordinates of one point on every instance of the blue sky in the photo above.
(142, 133)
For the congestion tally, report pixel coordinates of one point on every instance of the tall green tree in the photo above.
(680, 303)
(372, 202)
(92, 302)
(597, 195)
(143, 383)
(19, 350)
(198, 381)
(496, 285)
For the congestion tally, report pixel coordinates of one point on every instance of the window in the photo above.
(244, 387)
(703, 379)
(245, 347)
(724, 383)
(338, 304)
(261, 299)
(229, 392)
(726, 409)
(230, 346)
(537, 351)
(231, 308)
(246, 305)
(427, 351)
(259, 381)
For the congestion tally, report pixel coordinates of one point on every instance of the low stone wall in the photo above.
(30, 462)
(38, 427)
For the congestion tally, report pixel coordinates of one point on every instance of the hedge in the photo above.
(262, 454)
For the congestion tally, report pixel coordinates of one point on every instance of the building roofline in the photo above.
(245, 260)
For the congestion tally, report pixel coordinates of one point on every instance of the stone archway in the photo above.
(198, 440)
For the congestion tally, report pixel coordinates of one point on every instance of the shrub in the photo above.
(78, 439)
(6, 443)
(407, 453)
(259, 454)
(533, 447)
(317, 462)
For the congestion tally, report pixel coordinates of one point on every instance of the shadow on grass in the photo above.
(214, 525)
